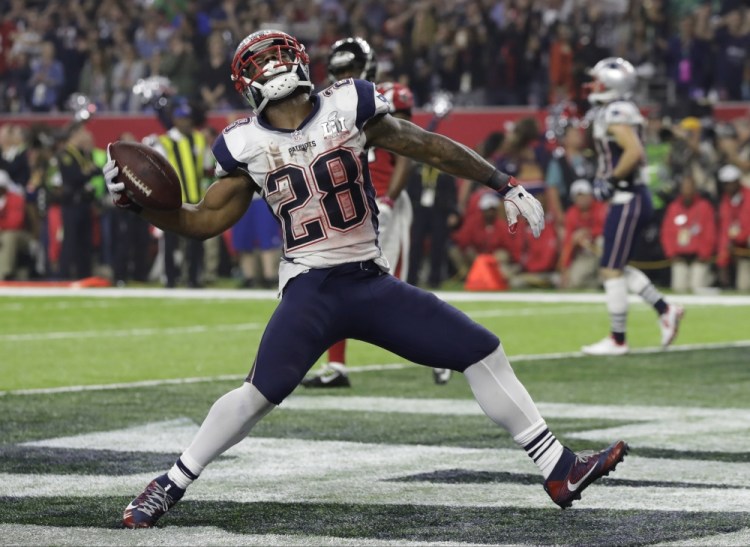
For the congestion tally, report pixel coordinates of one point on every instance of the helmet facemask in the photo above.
(268, 66)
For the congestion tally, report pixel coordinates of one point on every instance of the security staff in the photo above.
(189, 153)
(77, 171)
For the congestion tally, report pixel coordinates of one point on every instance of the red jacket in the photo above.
(483, 238)
(576, 219)
(13, 212)
(537, 255)
(689, 229)
(734, 224)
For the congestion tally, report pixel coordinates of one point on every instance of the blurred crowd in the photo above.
(57, 221)
(485, 52)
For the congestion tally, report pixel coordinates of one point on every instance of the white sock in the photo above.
(507, 403)
(541, 446)
(639, 283)
(616, 293)
(501, 396)
(228, 422)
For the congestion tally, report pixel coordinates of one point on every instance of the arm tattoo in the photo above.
(407, 139)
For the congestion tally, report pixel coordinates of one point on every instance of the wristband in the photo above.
(501, 182)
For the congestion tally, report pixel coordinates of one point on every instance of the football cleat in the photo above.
(669, 323)
(441, 375)
(332, 375)
(606, 346)
(565, 485)
(159, 497)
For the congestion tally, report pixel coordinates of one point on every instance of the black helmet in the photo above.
(352, 54)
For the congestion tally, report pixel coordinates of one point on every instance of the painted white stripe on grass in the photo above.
(179, 536)
(281, 470)
(120, 333)
(740, 538)
(357, 369)
(556, 297)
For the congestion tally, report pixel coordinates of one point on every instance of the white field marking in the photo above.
(120, 333)
(288, 470)
(536, 311)
(356, 369)
(557, 297)
(676, 428)
(178, 536)
(740, 538)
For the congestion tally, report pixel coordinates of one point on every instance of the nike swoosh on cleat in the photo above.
(572, 487)
(328, 379)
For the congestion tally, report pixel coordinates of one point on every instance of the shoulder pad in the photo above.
(623, 112)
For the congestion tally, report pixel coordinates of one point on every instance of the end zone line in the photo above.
(357, 369)
(556, 297)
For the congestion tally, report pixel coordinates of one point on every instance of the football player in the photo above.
(307, 156)
(354, 58)
(617, 127)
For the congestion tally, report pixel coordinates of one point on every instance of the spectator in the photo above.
(47, 79)
(524, 156)
(95, 79)
(571, 161)
(485, 233)
(734, 230)
(433, 195)
(733, 49)
(688, 237)
(694, 155)
(131, 241)
(582, 239)
(126, 72)
(13, 234)
(215, 83)
(537, 257)
(178, 64)
(77, 171)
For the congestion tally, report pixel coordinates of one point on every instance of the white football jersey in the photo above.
(315, 178)
(607, 150)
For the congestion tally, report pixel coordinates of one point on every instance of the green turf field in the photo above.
(101, 394)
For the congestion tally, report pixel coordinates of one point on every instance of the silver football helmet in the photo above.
(614, 78)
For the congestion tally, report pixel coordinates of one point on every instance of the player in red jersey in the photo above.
(354, 58)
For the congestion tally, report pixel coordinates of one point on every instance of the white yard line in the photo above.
(231, 294)
(352, 370)
(119, 333)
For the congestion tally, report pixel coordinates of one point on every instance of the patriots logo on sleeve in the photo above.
(382, 98)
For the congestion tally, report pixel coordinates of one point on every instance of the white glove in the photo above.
(518, 201)
(117, 189)
(385, 208)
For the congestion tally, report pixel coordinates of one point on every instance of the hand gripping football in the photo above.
(150, 180)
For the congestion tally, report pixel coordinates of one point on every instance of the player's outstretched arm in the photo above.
(225, 202)
(407, 139)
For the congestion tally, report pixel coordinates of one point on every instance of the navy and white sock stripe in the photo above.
(183, 468)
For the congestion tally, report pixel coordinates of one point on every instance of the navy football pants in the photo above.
(621, 228)
(359, 301)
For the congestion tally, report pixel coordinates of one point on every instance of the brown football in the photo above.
(150, 180)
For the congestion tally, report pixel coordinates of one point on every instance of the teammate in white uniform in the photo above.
(617, 128)
(306, 155)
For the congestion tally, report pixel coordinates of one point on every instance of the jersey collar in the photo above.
(314, 99)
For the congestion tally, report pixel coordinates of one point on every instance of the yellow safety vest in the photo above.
(186, 156)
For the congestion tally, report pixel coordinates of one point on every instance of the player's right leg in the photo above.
(299, 331)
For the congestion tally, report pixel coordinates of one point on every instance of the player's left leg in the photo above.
(424, 329)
